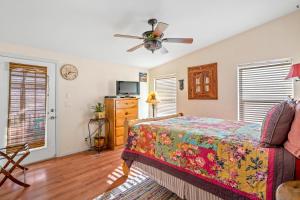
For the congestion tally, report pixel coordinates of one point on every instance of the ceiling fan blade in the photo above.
(160, 28)
(128, 36)
(179, 40)
(163, 50)
(135, 48)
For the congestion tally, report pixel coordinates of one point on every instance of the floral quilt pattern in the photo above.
(225, 152)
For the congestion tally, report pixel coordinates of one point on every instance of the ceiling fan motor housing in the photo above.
(150, 35)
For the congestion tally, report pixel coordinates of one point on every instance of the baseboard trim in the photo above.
(58, 155)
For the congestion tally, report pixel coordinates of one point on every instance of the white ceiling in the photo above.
(85, 28)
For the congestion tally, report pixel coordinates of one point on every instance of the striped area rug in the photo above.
(138, 187)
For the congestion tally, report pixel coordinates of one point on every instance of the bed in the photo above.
(207, 158)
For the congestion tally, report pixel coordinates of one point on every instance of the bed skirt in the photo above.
(183, 189)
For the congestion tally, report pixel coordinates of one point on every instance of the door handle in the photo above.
(52, 117)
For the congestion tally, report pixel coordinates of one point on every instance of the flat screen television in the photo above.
(128, 88)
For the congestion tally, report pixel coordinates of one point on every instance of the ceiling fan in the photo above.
(153, 39)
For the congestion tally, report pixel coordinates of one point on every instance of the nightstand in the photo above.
(288, 191)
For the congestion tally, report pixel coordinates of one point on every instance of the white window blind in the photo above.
(27, 105)
(166, 90)
(262, 85)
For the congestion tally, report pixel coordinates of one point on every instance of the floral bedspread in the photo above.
(223, 152)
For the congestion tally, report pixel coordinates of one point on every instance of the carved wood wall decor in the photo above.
(203, 82)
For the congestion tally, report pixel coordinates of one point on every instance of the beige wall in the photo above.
(74, 98)
(275, 40)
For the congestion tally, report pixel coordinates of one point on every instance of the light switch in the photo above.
(67, 95)
(67, 104)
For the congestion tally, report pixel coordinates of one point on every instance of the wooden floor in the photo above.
(80, 176)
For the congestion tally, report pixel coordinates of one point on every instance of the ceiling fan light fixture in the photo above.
(152, 45)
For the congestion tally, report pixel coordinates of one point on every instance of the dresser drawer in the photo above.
(119, 131)
(126, 104)
(126, 111)
(121, 119)
(119, 140)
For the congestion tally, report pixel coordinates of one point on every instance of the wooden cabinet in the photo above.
(117, 110)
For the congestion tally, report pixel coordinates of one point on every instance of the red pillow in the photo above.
(277, 124)
(293, 142)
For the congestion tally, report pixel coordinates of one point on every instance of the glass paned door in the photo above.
(28, 106)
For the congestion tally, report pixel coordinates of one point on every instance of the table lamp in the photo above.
(153, 100)
(294, 72)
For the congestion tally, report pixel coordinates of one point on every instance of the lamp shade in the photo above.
(152, 98)
(294, 71)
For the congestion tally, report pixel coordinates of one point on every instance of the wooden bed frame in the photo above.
(127, 125)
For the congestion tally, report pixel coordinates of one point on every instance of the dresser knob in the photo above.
(126, 113)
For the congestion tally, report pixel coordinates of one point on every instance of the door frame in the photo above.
(55, 65)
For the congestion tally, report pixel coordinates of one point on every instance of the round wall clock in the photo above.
(69, 72)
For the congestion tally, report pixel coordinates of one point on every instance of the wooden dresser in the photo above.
(117, 110)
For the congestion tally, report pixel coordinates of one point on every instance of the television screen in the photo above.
(128, 88)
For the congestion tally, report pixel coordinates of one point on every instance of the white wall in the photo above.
(275, 40)
(74, 98)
